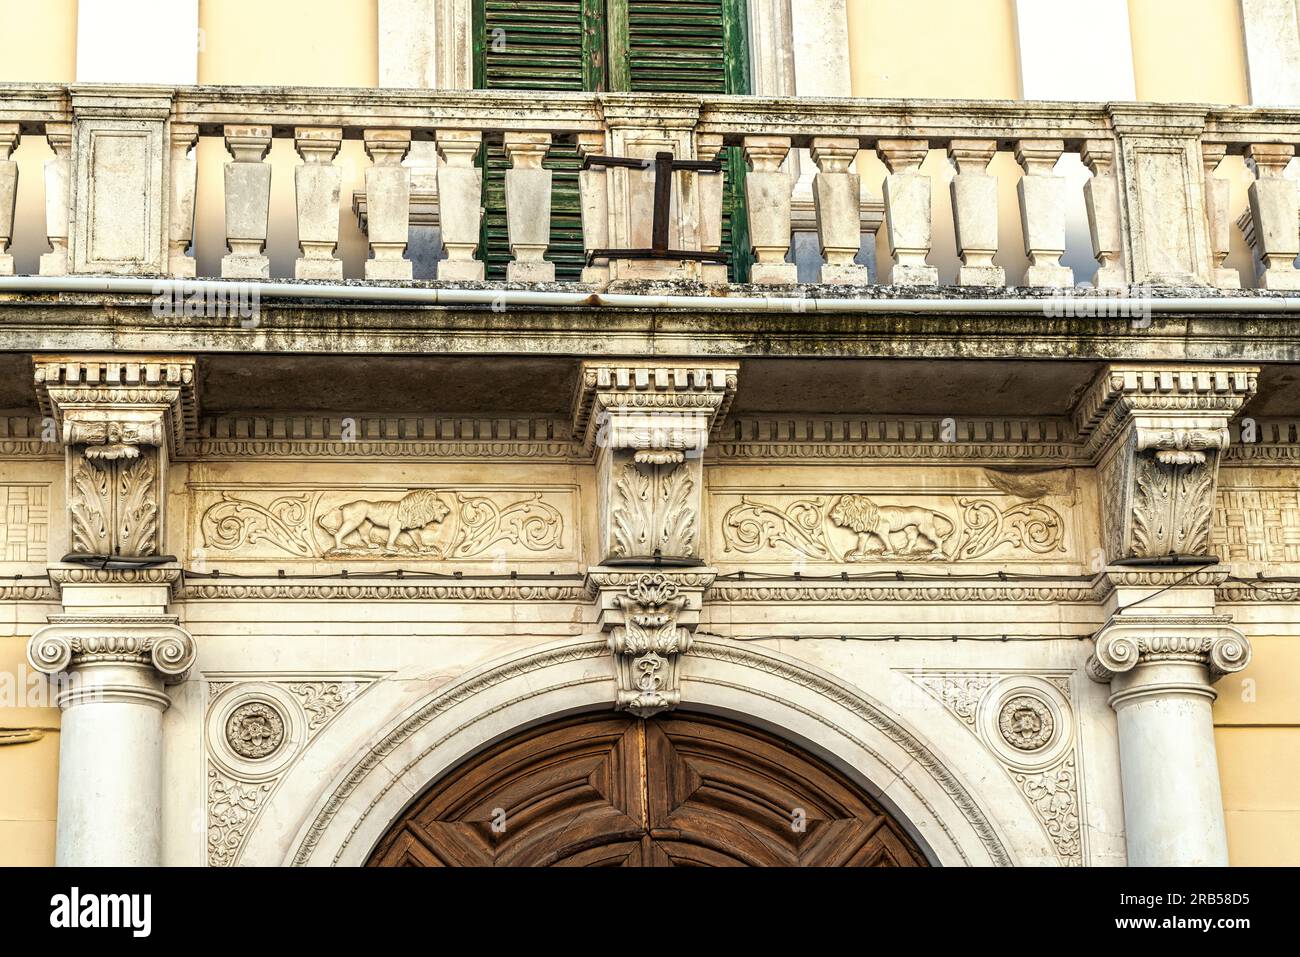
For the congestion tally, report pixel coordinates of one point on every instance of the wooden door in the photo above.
(615, 791)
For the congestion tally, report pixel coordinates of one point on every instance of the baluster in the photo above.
(1042, 212)
(768, 190)
(248, 202)
(837, 200)
(8, 194)
(907, 211)
(460, 203)
(388, 204)
(184, 170)
(528, 207)
(1217, 218)
(975, 212)
(593, 194)
(1276, 215)
(709, 186)
(1101, 197)
(58, 174)
(317, 184)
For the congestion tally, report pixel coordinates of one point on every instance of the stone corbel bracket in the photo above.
(1208, 640)
(112, 405)
(648, 618)
(1156, 434)
(661, 411)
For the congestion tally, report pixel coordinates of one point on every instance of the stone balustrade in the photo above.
(1157, 210)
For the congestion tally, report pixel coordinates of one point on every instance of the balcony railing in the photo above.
(120, 189)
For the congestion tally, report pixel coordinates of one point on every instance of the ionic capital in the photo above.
(1209, 642)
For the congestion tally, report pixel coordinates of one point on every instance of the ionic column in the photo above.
(317, 184)
(647, 425)
(111, 669)
(907, 211)
(248, 203)
(113, 647)
(593, 196)
(1275, 210)
(1161, 671)
(975, 212)
(58, 180)
(768, 190)
(1217, 216)
(183, 174)
(837, 200)
(1101, 197)
(388, 201)
(1042, 212)
(528, 207)
(460, 203)
(8, 194)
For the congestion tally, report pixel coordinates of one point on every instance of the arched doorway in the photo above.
(679, 790)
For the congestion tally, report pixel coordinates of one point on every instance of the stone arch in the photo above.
(761, 687)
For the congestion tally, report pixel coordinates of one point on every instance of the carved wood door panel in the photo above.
(618, 791)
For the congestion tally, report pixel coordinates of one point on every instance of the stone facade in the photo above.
(307, 545)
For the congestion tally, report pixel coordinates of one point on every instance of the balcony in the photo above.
(128, 167)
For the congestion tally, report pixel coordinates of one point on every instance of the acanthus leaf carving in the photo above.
(137, 495)
(90, 508)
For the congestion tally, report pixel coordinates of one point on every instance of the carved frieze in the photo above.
(1157, 434)
(858, 526)
(442, 524)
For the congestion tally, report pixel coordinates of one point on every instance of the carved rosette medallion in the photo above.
(255, 730)
(1026, 723)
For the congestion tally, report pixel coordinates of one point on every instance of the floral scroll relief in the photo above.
(424, 523)
(972, 529)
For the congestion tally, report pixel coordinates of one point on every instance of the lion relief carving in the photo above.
(409, 521)
(925, 531)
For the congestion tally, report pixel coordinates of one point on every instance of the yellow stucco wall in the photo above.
(1257, 734)
(29, 773)
(297, 42)
(969, 48)
(47, 52)
(1188, 51)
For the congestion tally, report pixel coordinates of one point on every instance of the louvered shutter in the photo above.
(536, 45)
(663, 46)
(689, 46)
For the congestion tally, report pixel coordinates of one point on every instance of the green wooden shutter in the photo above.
(653, 46)
(689, 46)
(537, 45)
